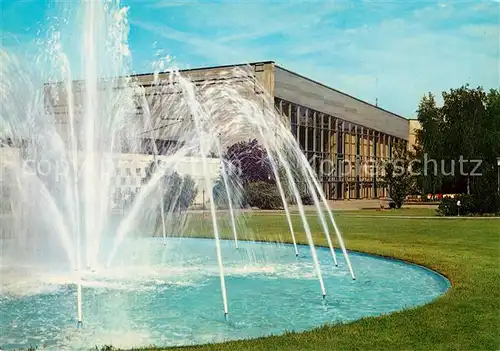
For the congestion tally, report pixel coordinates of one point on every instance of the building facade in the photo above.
(413, 127)
(345, 139)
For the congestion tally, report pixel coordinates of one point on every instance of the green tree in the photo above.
(178, 191)
(463, 138)
(429, 144)
(398, 177)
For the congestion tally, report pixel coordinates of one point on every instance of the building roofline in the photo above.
(189, 70)
(284, 69)
(210, 67)
(340, 92)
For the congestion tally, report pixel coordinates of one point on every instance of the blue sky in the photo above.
(395, 51)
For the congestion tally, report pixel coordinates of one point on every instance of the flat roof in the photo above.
(341, 92)
(287, 70)
(211, 67)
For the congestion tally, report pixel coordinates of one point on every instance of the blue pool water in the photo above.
(170, 295)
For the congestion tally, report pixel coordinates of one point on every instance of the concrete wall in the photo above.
(127, 175)
(131, 169)
(413, 126)
(300, 90)
(10, 161)
(157, 106)
(263, 71)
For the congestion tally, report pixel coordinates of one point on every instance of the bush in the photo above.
(180, 192)
(263, 195)
(220, 195)
(469, 205)
(307, 199)
(250, 160)
(304, 197)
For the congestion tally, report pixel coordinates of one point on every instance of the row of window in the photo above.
(318, 132)
(121, 181)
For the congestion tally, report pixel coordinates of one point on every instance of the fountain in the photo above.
(66, 253)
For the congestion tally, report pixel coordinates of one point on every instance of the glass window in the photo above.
(293, 115)
(303, 116)
(286, 107)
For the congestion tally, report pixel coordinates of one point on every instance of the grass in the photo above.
(466, 251)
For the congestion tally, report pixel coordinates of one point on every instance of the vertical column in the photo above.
(390, 146)
(348, 157)
(386, 158)
(374, 157)
(297, 119)
(383, 159)
(356, 159)
(330, 154)
(340, 140)
(322, 145)
(361, 149)
(334, 159)
(315, 146)
(279, 106)
(289, 113)
(306, 127)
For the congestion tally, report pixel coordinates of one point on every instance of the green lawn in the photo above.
(466, 251)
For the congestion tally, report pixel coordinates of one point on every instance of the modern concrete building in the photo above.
(343, 137)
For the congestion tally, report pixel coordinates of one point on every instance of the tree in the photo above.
(398, 175)
(236, 190)
(178, 191)
(462, 138)
(429, 144)
(251, 177)
(249, 159)
(263, 195)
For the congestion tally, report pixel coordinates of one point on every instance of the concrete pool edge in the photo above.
(436, 272)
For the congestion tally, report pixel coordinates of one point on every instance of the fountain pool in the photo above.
(177, 300)
(74, 110)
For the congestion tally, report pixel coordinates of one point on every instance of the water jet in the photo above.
(158, 284)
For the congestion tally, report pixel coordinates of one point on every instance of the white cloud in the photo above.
(397, 59)
(390, 50)
(197, 45)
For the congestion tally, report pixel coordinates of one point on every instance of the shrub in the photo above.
(398, 177)
(448, 207)
(263, 195)
(469, 204)
(304, 197)
(180, 192)
(220, 195)
(250, 160)
(307, 199)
